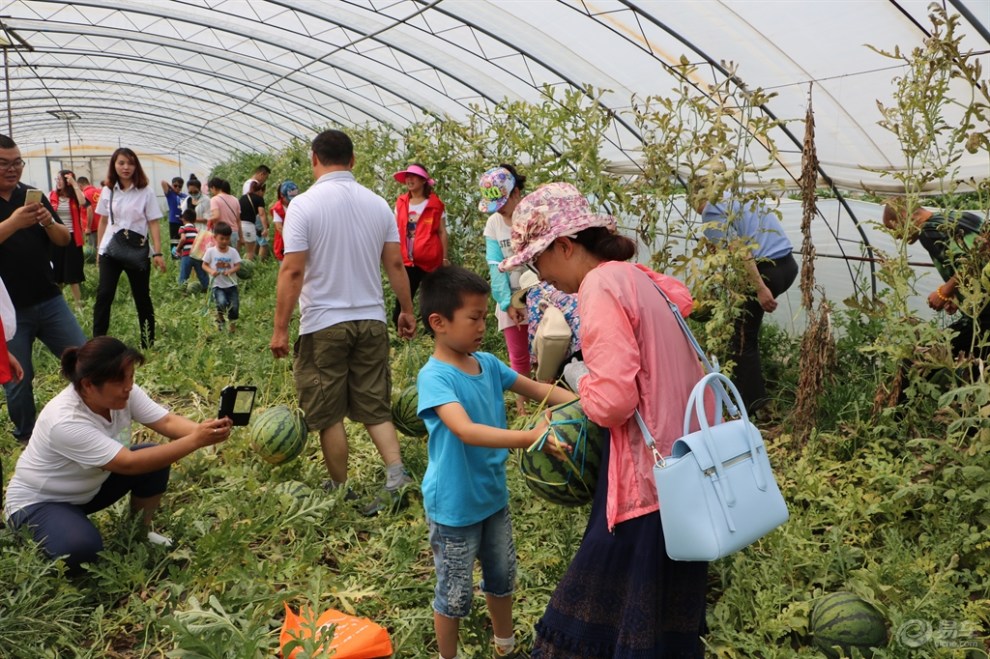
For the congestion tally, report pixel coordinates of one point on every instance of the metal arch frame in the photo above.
(31, 95)
(152, 138)
(142, 137)
(98, 103)
(981, 28)
(447, 72)
(769, 113)
(213, 54)
(402, 51)
(637, 135)
(224, 77)
(219, 54)
(526, 56)
(232, 144)
(232, 29)
(158, 42)
(170, 92)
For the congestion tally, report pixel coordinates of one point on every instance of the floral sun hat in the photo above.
(547, 213)
(496, 186)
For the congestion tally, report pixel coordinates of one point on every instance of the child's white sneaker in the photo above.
(158, 539)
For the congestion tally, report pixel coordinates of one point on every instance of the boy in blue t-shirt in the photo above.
(461, 399)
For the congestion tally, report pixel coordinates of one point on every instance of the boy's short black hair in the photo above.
(189, 215)
(222, 229)
(442, 292)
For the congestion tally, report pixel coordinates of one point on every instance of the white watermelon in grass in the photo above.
(278, 434)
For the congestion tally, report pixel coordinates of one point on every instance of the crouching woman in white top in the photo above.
(79, 461)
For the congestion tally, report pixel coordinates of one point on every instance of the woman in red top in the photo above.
(422, 222)
(68, 201)
(286, 193)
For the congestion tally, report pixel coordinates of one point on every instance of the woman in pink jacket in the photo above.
(622, 596)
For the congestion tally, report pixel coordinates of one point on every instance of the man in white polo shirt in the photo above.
(338, 235)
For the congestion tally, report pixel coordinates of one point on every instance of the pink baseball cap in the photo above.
(413, 169)
(547, 213)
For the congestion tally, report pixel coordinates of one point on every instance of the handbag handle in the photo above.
(698, 398)
(711, 367)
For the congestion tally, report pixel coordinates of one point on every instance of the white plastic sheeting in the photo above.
(209, 77)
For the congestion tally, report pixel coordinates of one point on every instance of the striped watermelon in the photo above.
(246, 271)
(278, 434)
(193, 287)
(845, 620)
(404, 413)
(293, 489)
(568, 482)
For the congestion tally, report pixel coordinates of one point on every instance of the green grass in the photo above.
(892, 509)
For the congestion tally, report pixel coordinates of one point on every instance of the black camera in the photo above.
(236, 404)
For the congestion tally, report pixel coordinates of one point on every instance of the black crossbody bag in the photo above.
(128, 248)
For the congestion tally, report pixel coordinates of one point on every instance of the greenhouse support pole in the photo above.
(6, 82)
(964, 11)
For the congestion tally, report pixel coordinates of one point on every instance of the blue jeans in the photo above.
(262, 241)
(187, 265)
(227, 301)
(54, 324)
(64, 529)
(455, 549)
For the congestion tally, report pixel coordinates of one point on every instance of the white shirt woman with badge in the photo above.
(129, 204)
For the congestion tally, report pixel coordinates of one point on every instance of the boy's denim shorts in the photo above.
(455, 549)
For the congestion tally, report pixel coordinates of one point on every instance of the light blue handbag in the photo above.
(716, 489)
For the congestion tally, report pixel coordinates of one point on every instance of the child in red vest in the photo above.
(10, 368)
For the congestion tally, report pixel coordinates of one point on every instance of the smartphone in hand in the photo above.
(32, 196)
(236, 404)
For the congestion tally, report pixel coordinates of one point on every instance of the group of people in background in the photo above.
(621, 595)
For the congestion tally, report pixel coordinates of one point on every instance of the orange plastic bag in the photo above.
(353, 637)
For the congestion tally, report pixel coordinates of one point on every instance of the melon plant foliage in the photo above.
(886, 502)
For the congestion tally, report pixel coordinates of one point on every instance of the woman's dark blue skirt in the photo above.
(622, 597)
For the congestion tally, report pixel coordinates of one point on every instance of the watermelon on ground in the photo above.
(193, 287)
(247, 269)
(569, 482)
(845, 620)
(404, 413)
(278, 434)
(293, 489)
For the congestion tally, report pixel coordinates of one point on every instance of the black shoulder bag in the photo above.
(129, 248)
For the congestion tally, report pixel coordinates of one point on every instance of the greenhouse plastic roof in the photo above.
(211, 77)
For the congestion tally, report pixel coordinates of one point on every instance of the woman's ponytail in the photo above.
(69, 358)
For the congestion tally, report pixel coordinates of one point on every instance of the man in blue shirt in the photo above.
(772, 269)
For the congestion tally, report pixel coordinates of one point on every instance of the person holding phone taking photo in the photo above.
(81, 459)
(29, 228)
